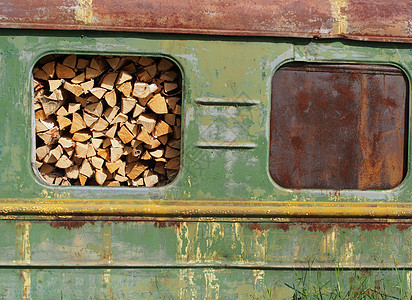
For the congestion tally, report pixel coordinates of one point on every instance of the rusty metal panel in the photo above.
(383, 20)
(338, 126)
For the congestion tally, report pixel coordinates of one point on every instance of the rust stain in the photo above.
(360, 20)
(23, 245)
(329, 131)
(69, 222)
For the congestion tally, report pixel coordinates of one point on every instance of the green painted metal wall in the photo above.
(134, 251)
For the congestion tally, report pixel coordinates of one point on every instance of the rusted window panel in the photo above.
(338, 126)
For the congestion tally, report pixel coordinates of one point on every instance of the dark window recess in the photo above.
(338, 126)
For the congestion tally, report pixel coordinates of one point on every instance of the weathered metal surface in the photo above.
(383, 20)
(178, 258)
(338, 126)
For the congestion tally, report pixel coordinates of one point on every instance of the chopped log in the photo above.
(120, 118)
(170, 119)
(42, 151)
(100, 125)
(122, 169)
(63, 122)
(115, 153)
(152, 70)
(170, 86)
(98, 63)
(49, 178)
(96, 142)
(128, 105)
(157, 153)
(135, 143)
(91, 73)
(98, 92)
(49, 159)
(153, 144)
(171, 174)
(50, 106)
(77, 123)
(100, 177)
(66, 142)
(163, 139)
(111, 183)
(69, 151)
(39, 114)
(81, 150)
(55, 84)
(73, 172)
(158, 104)
(97, 134)
(123, 77)
(82, 179)
(148, 121)
(174, 143)
(138, 110)
(86, 169)
(133, 128)
(89, 119)
(113, 62)
(144, 76)
(177, 110)
(177, 132)
(146, 61)
(141, 90)
(87, 86)
(95, 109)
(111, 113)
(62, 111)
(120, 178)
(92, 99)
(73, 88)
(171, 102)
(146, 156)
(108, 81)
(40, 74)
(104, 153)
(116, 143)
(40, 126)
(82, 63)
(171, 152)
(49, 68)
(64, 72)
(70, 61)
(131, 68)
(169, 76)
(111, 98)
(164, 65)
(144, 136)
(125, 88)
(173, 164)
(162, 128)
(64, 162)
(150, 178)
(56, 95)
(79, 78)
(112, 131)
(107, 143)
(133, 170)
(97, 162)
(178, 121)
(125, 135)
(73, 107)
(90, 151)
(113, 166)
(160, 168)
(143, 101)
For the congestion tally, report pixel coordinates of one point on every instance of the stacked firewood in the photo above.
(107, 120)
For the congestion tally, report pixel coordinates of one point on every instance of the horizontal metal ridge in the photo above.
(226, 101)
(226, 144)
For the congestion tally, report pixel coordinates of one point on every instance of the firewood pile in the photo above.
(107, 120)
